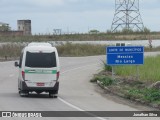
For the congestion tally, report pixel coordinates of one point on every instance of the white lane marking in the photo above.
(71, 105)
(79, 109)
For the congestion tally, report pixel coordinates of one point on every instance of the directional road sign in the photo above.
(129, 55)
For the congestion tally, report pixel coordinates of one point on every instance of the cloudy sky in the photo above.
(72, 15)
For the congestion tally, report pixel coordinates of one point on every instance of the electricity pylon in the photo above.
(127, 16)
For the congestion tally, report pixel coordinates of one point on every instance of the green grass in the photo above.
(147, 94)
(149, 72)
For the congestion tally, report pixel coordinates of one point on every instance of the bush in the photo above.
(106, 81)
(152, 94)
(147, 94)
(107, 67)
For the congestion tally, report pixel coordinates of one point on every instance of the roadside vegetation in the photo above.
(145, 90)
(76, 50)
(12, 51)
(93, 35)
(149, 72)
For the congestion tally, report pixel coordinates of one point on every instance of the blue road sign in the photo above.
(129, 55)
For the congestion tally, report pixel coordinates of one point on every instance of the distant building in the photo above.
(4, 26)
(25, 26)
(5, 30)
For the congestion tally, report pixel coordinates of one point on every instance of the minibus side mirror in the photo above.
(16, 64)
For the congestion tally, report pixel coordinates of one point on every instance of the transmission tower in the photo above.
(127, 16)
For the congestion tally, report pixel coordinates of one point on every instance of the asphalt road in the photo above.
(76, 92)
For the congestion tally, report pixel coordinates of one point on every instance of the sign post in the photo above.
(128, 55)
(137, 72)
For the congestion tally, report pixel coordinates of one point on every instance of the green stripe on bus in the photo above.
(41, 71)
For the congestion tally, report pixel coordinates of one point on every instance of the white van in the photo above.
(39, 69)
